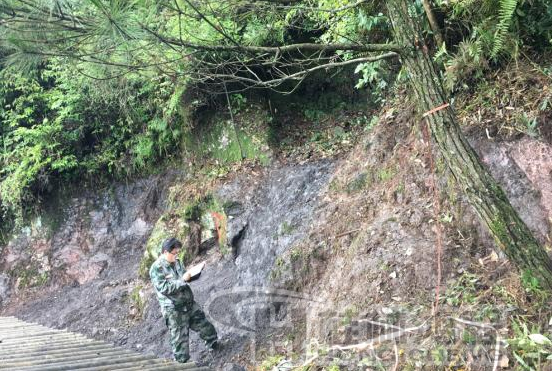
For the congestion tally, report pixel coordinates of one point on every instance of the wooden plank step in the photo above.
(27, 346)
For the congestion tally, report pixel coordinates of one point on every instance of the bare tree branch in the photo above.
(300, 75)
(285, 48)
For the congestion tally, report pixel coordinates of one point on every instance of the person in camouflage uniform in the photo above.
(180, 311)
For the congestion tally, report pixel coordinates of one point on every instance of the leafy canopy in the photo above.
(94, 88)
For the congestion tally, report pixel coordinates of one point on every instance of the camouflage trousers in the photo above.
(180, 323)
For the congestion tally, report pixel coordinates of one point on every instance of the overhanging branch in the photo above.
(286, 48)
(298, 77)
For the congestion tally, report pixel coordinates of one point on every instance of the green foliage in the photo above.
(286, 228)
(358, 183)
(137, 302)
(145, 265)
(530, 347)
(369, 23)
(489, 32)
(467, 64)
(238, 102)
(374, 75)
(534, 289)
(529, 125)
(157, 37)
(314, 114)
(270, 362)
(30, 275)
(33, 279)
(463, 290)
(229, 142)
(505, 13)
(386, 174)
(350, 313)
(536, 23)
(105, 97)
(58, 127)
(264, 29)
(439, 355)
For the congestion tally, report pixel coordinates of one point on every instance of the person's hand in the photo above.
(187, 277)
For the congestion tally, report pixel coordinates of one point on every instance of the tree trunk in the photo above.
(485, 195)
(433, 23)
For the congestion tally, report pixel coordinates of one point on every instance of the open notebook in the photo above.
(195, 271)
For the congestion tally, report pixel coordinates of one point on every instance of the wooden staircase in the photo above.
(30, 347)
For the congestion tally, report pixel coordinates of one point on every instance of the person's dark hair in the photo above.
(170, 244)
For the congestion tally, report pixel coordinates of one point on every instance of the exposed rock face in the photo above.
(4, 287)
(524, 169)
(96, 228)
(98, 253)
(535, 159)
(271, 219)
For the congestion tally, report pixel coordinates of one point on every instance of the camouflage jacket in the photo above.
(171, 290)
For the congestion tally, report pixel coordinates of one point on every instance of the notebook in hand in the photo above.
(195, 271)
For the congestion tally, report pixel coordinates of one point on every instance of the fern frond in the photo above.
(505, 13)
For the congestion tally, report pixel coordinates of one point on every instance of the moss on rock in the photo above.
(226, 142)
(206, 212)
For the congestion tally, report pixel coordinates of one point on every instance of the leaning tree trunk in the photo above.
(483, 192)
